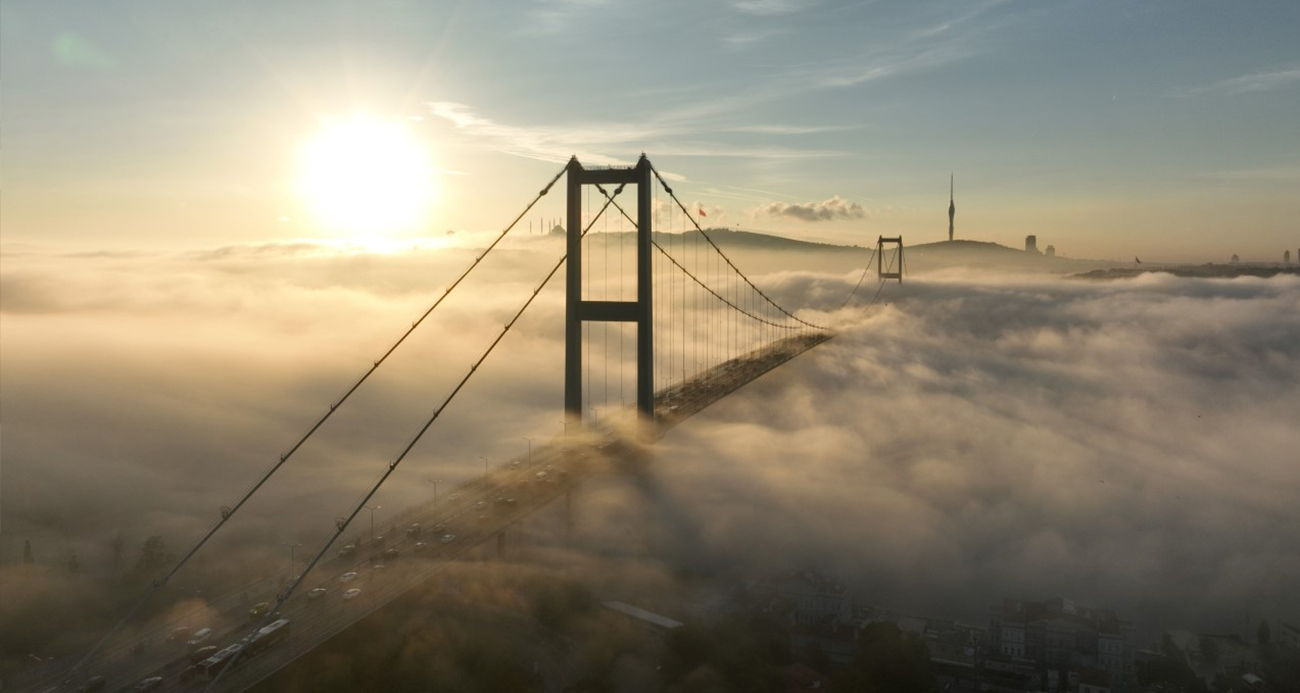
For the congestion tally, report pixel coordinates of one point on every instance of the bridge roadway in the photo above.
(473, 513)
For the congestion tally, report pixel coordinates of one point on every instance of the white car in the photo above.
(148, 684)
(348, 576)
(352, 593)
(448, 538)
(316, 593)
(200, 636)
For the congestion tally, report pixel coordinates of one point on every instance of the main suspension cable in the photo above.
(697, 280)
(228, 511)
(864, 276)
(733, 266)
(342, 524)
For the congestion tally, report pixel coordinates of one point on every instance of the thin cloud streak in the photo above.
(588, 140)
(924, 49)
(1245, 84)
(773, 8)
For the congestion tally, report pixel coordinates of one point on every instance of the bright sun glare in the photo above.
(365, 178)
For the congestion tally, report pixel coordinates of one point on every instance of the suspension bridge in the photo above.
(654, 294)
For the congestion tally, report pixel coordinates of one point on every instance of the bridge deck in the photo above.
(475, 512)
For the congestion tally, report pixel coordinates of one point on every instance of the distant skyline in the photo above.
(1164, 130)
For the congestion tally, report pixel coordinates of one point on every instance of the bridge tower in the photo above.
(578, 311)
(880, 263)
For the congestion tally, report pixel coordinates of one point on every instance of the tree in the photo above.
(887, 659)
(27, 552)
(154, 556)
(736, 654)
(1209, 650)
(1168, 675)
(118, 545)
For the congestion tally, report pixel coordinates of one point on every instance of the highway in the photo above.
(473, 513)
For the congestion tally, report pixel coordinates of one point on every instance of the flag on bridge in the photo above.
(1135, 259)
(702, 212)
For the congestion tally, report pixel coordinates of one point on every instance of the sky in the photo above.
(1161, 129)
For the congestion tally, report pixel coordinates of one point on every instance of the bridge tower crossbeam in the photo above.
(880, 268)
(578, 311)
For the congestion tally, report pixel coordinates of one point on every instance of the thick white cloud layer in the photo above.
(1131, 444)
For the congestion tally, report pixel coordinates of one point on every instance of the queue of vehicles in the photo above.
(207, 661)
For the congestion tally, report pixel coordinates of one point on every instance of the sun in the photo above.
(365, 178)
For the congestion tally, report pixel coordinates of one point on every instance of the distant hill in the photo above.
(765, 252)
(928, 257)
(1206, 270)
(767, 241)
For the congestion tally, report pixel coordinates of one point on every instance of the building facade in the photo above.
(1058, 635)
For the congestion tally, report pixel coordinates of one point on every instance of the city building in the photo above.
(1211, 655)
(1286, 257)
(1286, 635)
(815, 598)
(1031, 244)
(1051, 251)
(1235, 259)
(1059, 635)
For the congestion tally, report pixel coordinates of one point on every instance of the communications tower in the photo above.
(952, 208)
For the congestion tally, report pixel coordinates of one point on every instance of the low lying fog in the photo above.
(1130, 444)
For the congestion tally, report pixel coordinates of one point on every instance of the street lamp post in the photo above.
(372, 509)
(292, 546)
(435, 483)
(530, 450)
(485, 463)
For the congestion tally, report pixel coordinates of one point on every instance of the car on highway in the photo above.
(178, 634)
(316, 593)
(420, 547)
(348, 550)
(352, 593)
(202, 653)
(448, 538)
(439, 528)
(391, 554)
(149, 684)
(259, 609)
(189, 672)
(348, 576)
(414, 530)
(93, 685)
(480, 505)
(378, 568)
(200, 636)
